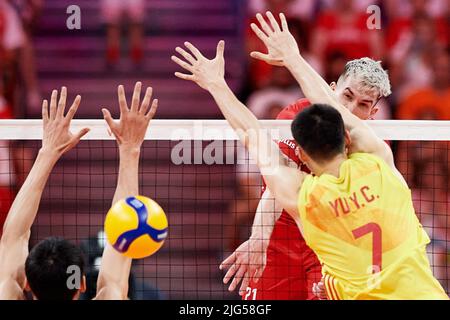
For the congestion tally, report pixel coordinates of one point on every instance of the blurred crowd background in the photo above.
(121, 41)
(412, 43)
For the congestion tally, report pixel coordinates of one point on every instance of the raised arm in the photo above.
(247, 263)
(56, 140)
(112, 283)
(284, 181)
(283, 51)
(267, 214)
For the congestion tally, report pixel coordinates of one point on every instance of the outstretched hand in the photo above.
(133, 123)
(246, 264)
(203, 71)
(57, 138)
(279, 41)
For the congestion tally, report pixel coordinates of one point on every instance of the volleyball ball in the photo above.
(136, 227)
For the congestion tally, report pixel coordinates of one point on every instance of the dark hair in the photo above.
(320, 131)
(47, 266)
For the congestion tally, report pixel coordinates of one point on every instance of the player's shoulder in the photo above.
(369, 162)
(289, 112)
(374, 163)
(364, 158)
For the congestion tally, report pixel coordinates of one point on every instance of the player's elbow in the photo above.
(292, 209)
(110, 293)
(289, 203)
(111, 289)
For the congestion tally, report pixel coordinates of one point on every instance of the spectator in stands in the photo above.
(406, 9)
(6, 168)
(113, 12)
(431, 99)
(411, 52)
(5, 113)
(343, 28)
(334, 65)
(2, 31)
(12, 41)
(28, 12)
(266, 103)
(304, 10)
(359, 5)
(15, 160)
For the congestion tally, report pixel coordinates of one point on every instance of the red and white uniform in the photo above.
(292, 267)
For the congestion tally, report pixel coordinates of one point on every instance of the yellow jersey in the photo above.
(365, 232)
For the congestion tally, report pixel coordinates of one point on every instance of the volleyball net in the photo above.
(209, 188)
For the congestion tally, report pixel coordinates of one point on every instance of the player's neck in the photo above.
(332, 167)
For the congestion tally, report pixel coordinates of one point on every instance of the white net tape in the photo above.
(220, 130)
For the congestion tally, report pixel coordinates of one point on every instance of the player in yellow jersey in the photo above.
(356, 212)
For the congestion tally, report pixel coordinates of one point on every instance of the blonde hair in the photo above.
(370, 74)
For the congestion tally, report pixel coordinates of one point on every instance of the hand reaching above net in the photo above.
(279, 41)
(57, 138)
(130, 133)
(205, 72)
(14, 243)
(133, 123)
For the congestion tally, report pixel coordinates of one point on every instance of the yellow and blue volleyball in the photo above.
(136, 227)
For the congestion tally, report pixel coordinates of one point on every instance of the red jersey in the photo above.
(292, 267)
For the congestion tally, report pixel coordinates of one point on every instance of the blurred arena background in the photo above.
(210, 207)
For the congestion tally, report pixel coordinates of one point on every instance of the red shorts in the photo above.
(291, 269)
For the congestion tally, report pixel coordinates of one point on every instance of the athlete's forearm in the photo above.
(237, 114)
(128, 179)
(26, 204)
(115, 270)
(267, 214)
(16, 231)
(316, 89)
(114, 276)
(263, 224)
(258, 142)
